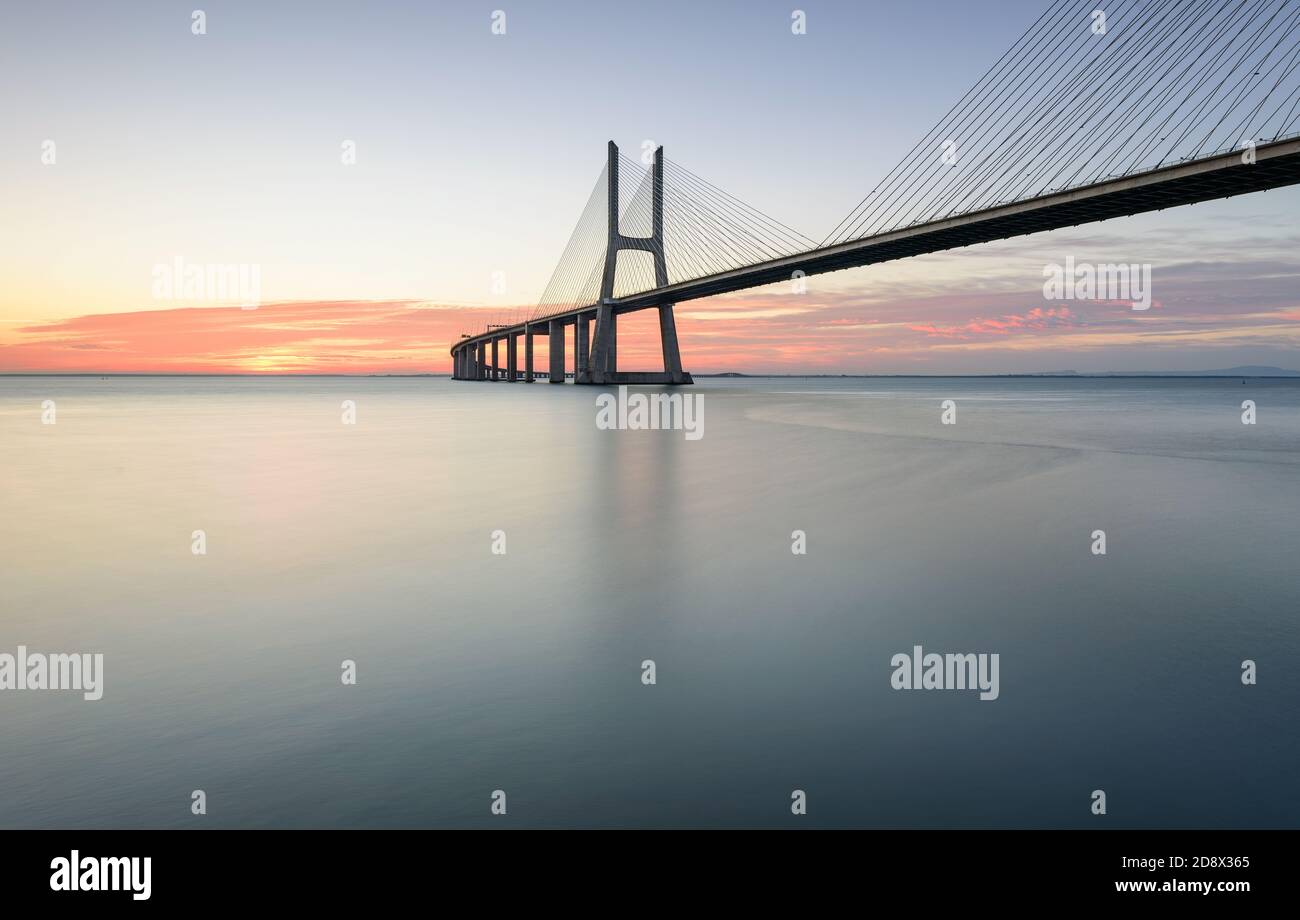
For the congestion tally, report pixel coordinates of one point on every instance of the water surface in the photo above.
(521, 672)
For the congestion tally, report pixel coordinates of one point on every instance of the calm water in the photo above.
(521, 671)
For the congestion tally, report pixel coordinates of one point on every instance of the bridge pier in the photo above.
(611, 345)
(492, 369)
(580, 348)
(528, 353)
(557, 351)
(668, 340)
(512, 358)
(604, 370)
(480, 371)
(602, 367)
(604, 351)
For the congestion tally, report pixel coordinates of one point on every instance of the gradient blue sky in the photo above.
(476, 152)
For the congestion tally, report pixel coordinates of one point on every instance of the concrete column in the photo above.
(557, 351)
(668, 337)
(581, 335)
(657, 219)
(600, 343)
(611, 219)
(457, 363)
(528, 353)
(512, 357)
(611, 347)
(481, 374)
(492, 372)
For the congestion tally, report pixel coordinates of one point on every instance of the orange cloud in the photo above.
(305, 338)
(766, 330)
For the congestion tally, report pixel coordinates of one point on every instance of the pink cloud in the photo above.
(1038, 318)
(882, 329)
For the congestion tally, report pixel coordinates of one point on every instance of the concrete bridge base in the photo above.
(556, 332)
(647, 377)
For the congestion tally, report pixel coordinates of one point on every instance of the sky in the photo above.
(474, 155)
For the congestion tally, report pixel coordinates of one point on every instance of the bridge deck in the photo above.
(1222, 176)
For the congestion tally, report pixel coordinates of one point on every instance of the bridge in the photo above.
(1158, 104)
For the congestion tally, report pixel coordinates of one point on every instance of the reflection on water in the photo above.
(522, 672)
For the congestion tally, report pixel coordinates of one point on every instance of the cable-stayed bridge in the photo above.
(1090, 115)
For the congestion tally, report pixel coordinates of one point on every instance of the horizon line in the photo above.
(1287, 375)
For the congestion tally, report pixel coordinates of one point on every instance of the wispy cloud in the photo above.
(1037, 318)
(1218, 311)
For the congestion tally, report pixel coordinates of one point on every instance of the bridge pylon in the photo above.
(601, 366)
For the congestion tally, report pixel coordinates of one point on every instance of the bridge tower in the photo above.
(601, 366)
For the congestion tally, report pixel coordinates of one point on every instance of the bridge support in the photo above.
(668, 338)
(557, 351)
(602, 367)
(611, 346)
(595, 349)
(581, 332)
(528, 353)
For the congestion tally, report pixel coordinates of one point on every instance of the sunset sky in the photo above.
(474, 155)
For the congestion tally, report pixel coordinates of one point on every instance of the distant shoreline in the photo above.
(1277, 374)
